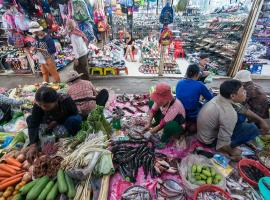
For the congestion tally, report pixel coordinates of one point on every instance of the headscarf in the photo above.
(76, 31)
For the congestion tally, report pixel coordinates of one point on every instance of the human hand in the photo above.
(147, 127)
(32, 153)
(264, 127)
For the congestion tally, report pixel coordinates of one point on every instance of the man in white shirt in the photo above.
(79, 43)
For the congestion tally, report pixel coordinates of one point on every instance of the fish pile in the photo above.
(136, 193)
(240, 190)
(211, 196)
(253, 173)
(129, 158)
(264, 158)
(169, 189)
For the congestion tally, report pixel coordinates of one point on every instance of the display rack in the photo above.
(217, 34)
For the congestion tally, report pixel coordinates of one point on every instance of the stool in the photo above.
(109, 69)
(97, 69)
(121, 69)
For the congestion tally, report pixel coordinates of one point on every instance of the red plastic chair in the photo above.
(178, 50)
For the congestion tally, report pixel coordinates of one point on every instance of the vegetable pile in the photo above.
(45, 189)
(205, 175)
(46, 166)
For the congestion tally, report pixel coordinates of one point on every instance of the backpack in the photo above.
(102, 26)
(79, 10)
(166, 37)
(166, 16)
(98, 16)
(87, 29)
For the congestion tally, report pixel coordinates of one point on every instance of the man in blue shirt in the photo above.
(189, 91)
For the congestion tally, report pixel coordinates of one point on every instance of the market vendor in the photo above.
(84, 94)
(220, 122)
(189, 92)
(256, 99)
(79, 43)
(52, 113)
(6, 105)
(168, 112)
(203, 62)
(45, 50)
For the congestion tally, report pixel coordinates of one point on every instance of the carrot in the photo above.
(12, 177)
(2, 178)
(5, 173)
(6, 168)
(14, 167)
(12, 161)
(12, 182)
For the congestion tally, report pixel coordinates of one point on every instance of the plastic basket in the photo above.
(249, 162)
(210, 188)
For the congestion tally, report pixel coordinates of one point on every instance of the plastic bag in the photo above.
(185, 171)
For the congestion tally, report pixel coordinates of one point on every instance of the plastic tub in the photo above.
(249, 162)
(210, 188)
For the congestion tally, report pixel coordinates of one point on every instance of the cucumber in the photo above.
(46, 191)
(53, 193)
(25, 189)
(18, 197)
(62, 185)
(71, 188)
(37, 189)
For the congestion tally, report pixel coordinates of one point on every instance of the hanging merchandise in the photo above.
(98, 16)
(166, 16)
(16, 39)
(45, 6)
(8, 21)
(79, 10)
(30, 7)
(166, 37)
(102, 26)
(87, 28)
(21, 21)
(126, 3)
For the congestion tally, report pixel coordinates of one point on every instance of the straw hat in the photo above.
(243, 76)
(73, 75)
(162, 93)
(34, 27)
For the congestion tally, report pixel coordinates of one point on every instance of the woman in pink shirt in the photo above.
(168, 112)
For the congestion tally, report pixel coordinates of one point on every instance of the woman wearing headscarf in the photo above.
(79, 43)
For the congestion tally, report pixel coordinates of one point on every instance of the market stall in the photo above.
(109, 158)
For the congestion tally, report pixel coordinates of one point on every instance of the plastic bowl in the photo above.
(210, 188)
(258, 165)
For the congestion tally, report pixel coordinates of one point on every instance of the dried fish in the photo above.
(170, 189)
(211, 196)
(136, 193)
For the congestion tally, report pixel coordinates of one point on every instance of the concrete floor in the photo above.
(119, 84)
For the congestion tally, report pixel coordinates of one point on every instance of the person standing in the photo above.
(79, 43)
(45, 50)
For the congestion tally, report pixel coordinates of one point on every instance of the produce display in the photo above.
(205, 175)
(110, 159)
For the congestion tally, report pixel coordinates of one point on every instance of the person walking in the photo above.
(44, 49)
(79, 43)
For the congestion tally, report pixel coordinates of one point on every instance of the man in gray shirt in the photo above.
(221, 122)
